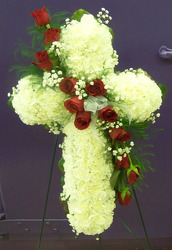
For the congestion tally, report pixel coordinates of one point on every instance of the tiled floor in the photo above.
(75, 244)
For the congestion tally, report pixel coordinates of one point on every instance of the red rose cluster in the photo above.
(121, 135)
(43, 19)
(132, 174)
(74, 105)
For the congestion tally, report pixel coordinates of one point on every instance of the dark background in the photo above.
(140, 28)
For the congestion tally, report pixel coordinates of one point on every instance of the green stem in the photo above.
(141, 217)
(47, 195)
(123, 179)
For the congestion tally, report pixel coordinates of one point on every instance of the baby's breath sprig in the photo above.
(55, 48)
(103, 16)
(54, 128)
(153, 117)
(52, 78)
(80, 88)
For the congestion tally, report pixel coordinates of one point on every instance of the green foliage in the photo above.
(137, 130)
(23, 71)
(77, 15)
(60, 164)
(112, 32)
(114, 178)
(37, 44)
(163, 90)
(139, 155)
(58, 18)
(62, 181)
(10, 103)
(24, 50)
(46, 127)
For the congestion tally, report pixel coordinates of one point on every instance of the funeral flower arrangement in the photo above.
(72, 87)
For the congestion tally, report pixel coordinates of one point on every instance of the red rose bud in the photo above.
(51, 35)
(45, 62)
(96, 89)
(74, 104)
(67, 85)
(124, 197)
(124, 163)
(132, 175)
(41, 17)
(107, 114)
(119, 134)
(82, 120)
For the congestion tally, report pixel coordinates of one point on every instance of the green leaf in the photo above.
(23, 71)
(60, 164)
(112, 32)
(163, 90)
(77, 15)
(114, 178)
(46, 126)
(10, 103)
(62, 180)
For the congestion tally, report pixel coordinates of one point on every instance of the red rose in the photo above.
(74, 104)
(41, 16)
(107, 114)
(119, 134)
(132, 175)
(45, 62)
(67, 85)
(124, 197)
(96, 89)
(82, 120)
(51, 35)
(124, 163)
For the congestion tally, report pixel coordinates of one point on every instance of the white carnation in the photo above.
(87, 181)
(86, 48)
(39, 105)
(137, 92)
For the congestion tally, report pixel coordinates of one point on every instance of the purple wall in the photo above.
(140, 27)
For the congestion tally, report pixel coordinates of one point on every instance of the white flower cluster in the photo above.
(103, 16)
(122, 151)
(91, 200)
(86, 48)
(52, 78)
(55, 48)
(104, 125)
(80, 88)
(137, 92)
(37, 105)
